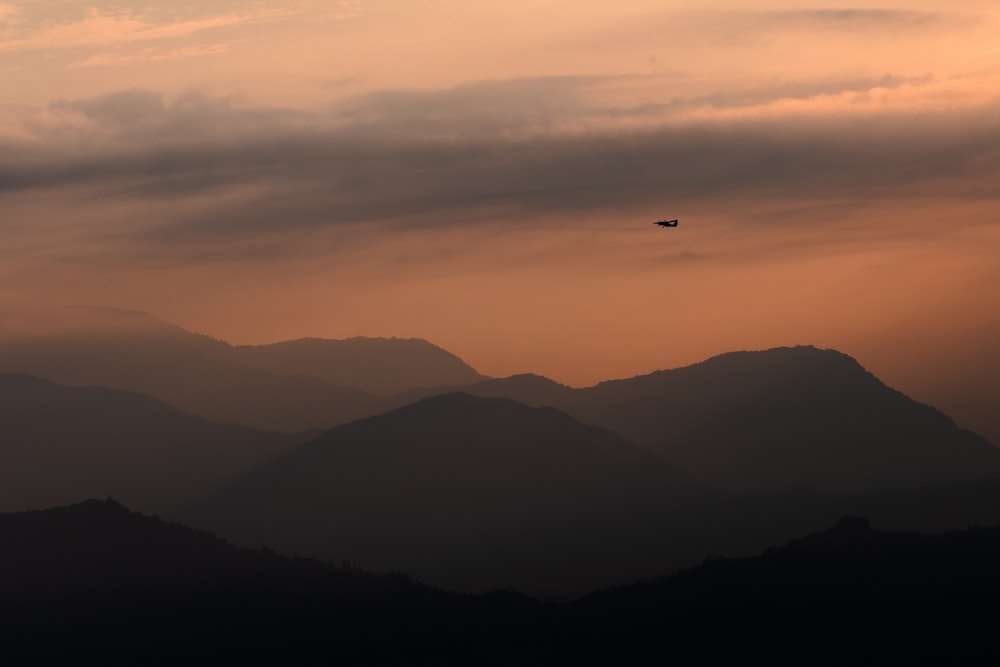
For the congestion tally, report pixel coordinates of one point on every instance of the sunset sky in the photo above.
(485, 175)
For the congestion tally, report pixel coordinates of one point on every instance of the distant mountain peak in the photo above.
(532, 379)
(383, 366)
(801, 356)
(108, 506)
(848, 532)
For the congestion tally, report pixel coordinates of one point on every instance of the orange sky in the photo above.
(485, 175)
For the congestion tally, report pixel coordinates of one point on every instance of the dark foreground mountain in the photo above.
(96, 581)
(469, 493)
(753, 421)
(849, 593)
(62, 443)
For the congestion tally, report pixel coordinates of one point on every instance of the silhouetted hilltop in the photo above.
(65, 443)
(139, 353)
(527, 388)
(464, 492)
(846, 593)
(102, 320)
(851, 532)
(293, 386)
(749, 421)
(760, 420)
(376, 365)
(96, 581)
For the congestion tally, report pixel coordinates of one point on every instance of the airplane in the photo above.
(666, 223)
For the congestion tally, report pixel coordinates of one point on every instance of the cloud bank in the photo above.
(512, 149)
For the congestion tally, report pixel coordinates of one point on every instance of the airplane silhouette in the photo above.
(666, 223)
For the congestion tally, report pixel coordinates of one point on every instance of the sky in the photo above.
(485, 175)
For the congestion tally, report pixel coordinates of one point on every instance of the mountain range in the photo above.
(61, 444)
(513, 481)
(766, 420)
(291, 386)
(471, 492)
(94, 581)
(468, 493)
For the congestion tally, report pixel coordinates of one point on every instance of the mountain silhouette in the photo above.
(383, 366)
(96, 581)
(742, 421)
(100, 548)
(208, 377)
(468, 493)
(64, 443)
(476, 492)
(826, 598)
(762, 420)
(757, 421)
(528, 388)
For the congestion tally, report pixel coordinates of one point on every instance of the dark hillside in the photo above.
(94, 581)
(758, 421)
(467, 493)
(830, 597)
(750, 421)
(62, 443)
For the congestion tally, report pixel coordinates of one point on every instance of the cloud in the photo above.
(151, 55)
(102, 29)
(515, 149)
(687, 29)
(852, 19)
(7, 11)
(346, 10)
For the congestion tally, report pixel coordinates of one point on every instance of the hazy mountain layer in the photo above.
(377, 365)
(60, 444)
(750, 421)
(187, 378)
(743, 421)
(472, 493)
(469, 493)
(291, 386)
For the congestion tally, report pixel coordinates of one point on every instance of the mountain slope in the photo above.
(293, 386)
(465, 492)
(96, 581)
(752, 421)
(376, 365)
(846, 593)
(187, 377)
(65, 443)
(758, 420)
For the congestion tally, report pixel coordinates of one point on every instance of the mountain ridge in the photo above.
(497, 490)
(764, 420)
(95, 579)
(203, 375)
(62, 442)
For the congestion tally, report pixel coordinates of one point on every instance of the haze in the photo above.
(485, 175)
